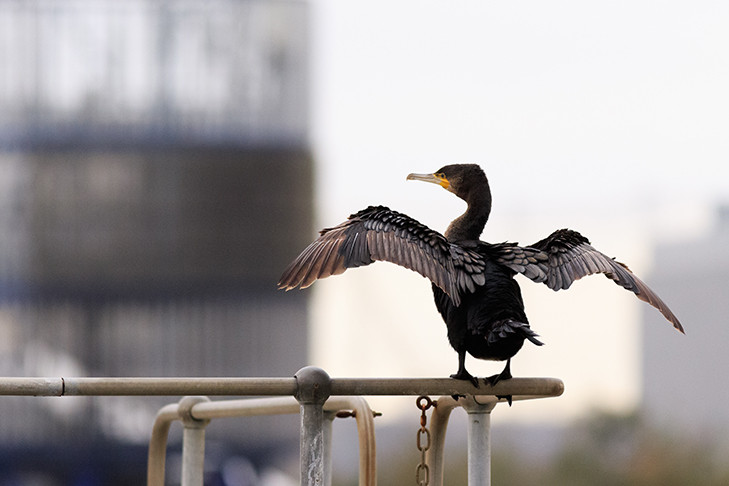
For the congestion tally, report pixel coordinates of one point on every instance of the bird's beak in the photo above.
(439, 179)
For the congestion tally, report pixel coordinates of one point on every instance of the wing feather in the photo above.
(566, 256)
(380, 234)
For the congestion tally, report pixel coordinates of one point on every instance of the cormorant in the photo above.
(473, 281)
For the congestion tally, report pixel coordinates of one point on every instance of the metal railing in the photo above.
(316, 396)
(196, 412)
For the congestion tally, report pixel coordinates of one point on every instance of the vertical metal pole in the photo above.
(158, 444)
(328, 419)
(312, 445)
(193, 456)
(313, 389)
(193, 442)
(479, 439)
(438, 426)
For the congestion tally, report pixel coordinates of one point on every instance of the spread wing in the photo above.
(566, 256)
(380, 234)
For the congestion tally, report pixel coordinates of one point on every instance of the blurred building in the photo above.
(155, 179)
(684, 376)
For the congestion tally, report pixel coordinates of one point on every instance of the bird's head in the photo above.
(464, 180)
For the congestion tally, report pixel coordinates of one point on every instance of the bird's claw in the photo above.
(508, 398)
(494, 379)
(465, 375)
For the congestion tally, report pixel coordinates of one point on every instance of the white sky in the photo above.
(610, 118)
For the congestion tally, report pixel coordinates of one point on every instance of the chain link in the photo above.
(422, 472)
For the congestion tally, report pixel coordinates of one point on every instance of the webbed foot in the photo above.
(508, 398)
(465, 375)
(504, 375)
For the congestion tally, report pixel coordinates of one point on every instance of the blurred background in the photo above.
(156, 177)
(162, 162)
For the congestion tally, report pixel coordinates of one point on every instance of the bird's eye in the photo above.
(440, 175)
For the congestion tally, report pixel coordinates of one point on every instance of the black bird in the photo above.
(473, 281)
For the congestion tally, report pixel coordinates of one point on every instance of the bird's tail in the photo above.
(503, 329)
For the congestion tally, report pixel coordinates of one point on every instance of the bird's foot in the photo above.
(465, 375)
(504, 375)
(494, 379)
(508, 398)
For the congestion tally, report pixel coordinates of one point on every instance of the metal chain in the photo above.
(422, 472)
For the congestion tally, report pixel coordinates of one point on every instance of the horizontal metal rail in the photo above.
(311, 387)
(523, 387)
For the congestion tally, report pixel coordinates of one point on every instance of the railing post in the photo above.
(313, 389)
(193, 442)
(328, 420)
(158, 444)
(479, 438)
(438, 426)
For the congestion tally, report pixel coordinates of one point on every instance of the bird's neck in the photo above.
(470, 224)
